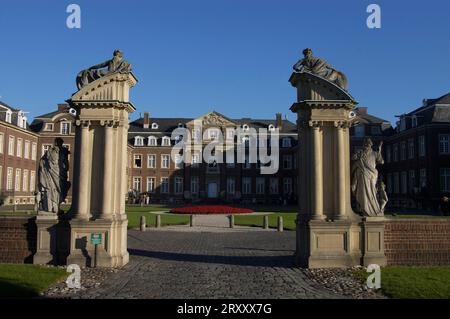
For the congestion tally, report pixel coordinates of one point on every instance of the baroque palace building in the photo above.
(416, 171)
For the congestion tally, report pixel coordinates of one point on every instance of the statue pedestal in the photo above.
(100, 178)
(328, 231)
(373, 241)
(46, 251)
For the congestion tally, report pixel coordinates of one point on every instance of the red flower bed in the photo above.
(210, 210)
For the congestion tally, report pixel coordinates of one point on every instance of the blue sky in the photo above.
(233, 56)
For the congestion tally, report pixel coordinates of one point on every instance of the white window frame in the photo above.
(9, 179)
(164, 185)
(26, 153)
(11, 145)
(49, 127)
(137, 181)
(274, 186)
(231, 185)
(260, 185)
(422, 145)
(165, 161)
(25, 180)
(152, 141)
(32, 181)
(444, 144)
(33, 151)
(246, 185)
(137, 156)
(165, 141)
(2, 142)
(178, 185)
(151, 184)
(62, 131)
(17, 180)
(195, 185)
(19, 145)
(149, 162)
(138, 141)
(444, 178)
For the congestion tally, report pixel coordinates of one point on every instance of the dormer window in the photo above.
(245, 127)
(48, 127)
(166, 141)
(138, 141)
(8, 116)
(152, 141)
(271, 127)
(414, 121)
(154, 126)
(180, 125)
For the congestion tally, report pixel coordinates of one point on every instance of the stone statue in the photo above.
(115, 65)
(320, 67)
(368, 191)
(53, 183)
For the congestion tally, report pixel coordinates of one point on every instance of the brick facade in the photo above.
(18, 239)
(417, 242)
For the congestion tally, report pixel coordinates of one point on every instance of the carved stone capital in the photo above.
(83, 123)
(341, 124)
(315, 124)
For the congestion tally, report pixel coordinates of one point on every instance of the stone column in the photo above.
(340, 205)
(84, 174)
(317, 172)
(124, 159)
(108, 185)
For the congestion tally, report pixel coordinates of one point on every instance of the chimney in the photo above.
(278, 121)
(146, 120)
(63, 107)
(361, 110)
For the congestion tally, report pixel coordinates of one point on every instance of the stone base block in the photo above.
(112, 252)
(46, 251)
(373, 241)
(324, 244)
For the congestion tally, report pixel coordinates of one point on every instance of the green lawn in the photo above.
(408, 282)
(134, 214)
(257, 221)
(24, 281)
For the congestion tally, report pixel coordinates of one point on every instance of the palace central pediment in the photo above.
(212, 119)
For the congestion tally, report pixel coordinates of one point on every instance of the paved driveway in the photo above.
(177, 264)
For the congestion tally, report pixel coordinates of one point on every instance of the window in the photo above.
(137, 161)
(17, 180)
(178, 185)
(412, 181)
(403, 151)
(213, 133)
(151, 161)
(271, 127)
(166, 141)
(32, 181)
(422, 145)
(411, 147)
(445, 179)
(9, 179)
(164, 185)
(396, 183)
(274, 185)
(245, 127)
(230, 133)
(360, 130)
(194, 184)
(404, 183)
(137, 184)
(260, 185)
(444, 140)
(152, 141)
(150, 184)
(287, 161)
(388, 154)
(8, 116)
(27, 150)
(395, 152)
(48, 127)
(11, 146)
(422, 178)
(231, 185)
(33, 151)
(196, 133)
(178, 161)
(19, 147)
(138, 141)
(287, 185)
(165, 161)
(154, 126)
(246, 185)
(375, 130)
(65, 128)
(389, 183)
(414, 121)
(1, 177)
(2, 142)
(195, 159)
(286, 142)
(25, 180)
(45, 148)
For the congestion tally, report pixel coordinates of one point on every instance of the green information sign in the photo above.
(96, 239)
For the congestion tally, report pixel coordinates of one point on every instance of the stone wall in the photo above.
(17, 239)
(417, 241)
